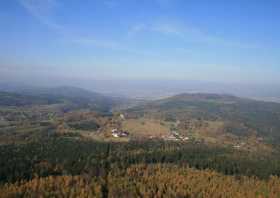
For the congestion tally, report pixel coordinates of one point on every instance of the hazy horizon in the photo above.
(152, 89)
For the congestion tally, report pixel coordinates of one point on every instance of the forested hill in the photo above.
(70, 96)
(240, 116)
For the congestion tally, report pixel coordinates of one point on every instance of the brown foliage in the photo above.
(147, 181)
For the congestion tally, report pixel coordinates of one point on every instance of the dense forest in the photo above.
(146, 181)
(64, 166)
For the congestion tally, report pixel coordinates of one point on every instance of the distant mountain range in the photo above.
(155, 89)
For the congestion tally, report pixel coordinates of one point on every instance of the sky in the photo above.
(205, 40)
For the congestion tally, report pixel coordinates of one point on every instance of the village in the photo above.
(127, 127)
(174, 136)
(169, 134)
(119, 133)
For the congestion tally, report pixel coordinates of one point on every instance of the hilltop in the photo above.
(223, 119)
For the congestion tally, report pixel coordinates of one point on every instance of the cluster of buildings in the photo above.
(119, 133)
(175, 136)
(238, 146)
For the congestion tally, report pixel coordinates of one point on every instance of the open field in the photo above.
(146, 127)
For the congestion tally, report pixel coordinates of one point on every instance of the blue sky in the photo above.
(210, 40)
